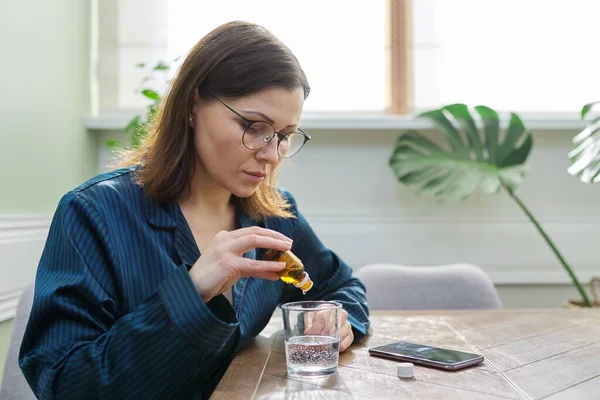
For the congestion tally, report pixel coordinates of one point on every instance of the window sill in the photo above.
(369, 121)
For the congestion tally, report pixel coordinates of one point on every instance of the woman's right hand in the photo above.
(222, 264)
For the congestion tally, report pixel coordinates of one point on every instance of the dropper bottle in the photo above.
(294, 272)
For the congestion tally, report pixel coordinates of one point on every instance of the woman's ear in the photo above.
(196, 97)
(195, 105)
(195, 101)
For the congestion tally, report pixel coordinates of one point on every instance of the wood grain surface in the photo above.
(529, 354)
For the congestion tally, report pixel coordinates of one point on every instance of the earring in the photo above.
(191, 120)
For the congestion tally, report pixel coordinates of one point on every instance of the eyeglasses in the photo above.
(259, 134)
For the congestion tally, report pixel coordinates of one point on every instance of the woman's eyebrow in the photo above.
(269, 120)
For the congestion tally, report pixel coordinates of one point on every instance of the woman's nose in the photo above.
(269, 152)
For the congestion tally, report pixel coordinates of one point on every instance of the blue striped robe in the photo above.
(116, 315)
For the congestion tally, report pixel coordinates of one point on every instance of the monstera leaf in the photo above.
(470, 160)
(585, 156)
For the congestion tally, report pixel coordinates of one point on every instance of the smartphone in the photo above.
(430, 356)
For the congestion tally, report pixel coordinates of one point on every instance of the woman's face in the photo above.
(222, 157)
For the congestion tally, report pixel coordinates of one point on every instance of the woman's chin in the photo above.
(244, 192)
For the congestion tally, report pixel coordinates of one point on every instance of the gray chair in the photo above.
(453, 286)
(14, 386)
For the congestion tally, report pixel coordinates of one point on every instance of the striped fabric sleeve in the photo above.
(77, 345)
(332, 277)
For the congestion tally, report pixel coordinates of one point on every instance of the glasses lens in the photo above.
(258, 135)
(291, 144)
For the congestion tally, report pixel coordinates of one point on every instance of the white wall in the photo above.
(345, 188)
(343, 182)
(344, 185)
(22, 239)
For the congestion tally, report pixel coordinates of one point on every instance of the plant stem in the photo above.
(586, 300)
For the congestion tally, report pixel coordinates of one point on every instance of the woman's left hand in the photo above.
(322, 323)
(346, 335)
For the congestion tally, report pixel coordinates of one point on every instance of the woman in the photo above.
(152, 277)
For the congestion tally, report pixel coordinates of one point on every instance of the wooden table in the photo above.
(549, 354)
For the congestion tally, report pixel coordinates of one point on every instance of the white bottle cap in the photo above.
(405, 370)
(304, 281)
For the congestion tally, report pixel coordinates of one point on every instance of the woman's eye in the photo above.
(253, 130)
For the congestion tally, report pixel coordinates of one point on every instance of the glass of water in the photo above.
(312, 337)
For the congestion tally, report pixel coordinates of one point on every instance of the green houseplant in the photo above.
(585, 155)
(585, 161)
(470, 159)
(137, 128)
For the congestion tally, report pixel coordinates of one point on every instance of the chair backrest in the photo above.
(14, 386)
(453, 286)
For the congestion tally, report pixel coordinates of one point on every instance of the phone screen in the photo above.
(435, 354)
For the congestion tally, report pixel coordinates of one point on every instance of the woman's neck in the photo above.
(206, 197)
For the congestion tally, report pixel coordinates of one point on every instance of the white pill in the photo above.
(405, 370)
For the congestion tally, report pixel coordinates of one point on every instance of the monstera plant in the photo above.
(585, 156)
(470, 159)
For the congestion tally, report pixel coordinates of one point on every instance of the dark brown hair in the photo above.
(235, 59)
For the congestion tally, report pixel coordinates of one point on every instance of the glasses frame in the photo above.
(280, 136)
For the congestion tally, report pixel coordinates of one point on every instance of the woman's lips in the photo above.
(257, 177)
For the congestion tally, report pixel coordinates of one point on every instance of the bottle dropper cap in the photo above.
(305, 284)
(405, 370)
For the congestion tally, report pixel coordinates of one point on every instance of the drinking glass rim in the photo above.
(297, 305)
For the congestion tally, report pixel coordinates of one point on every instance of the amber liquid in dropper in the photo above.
(294, 272)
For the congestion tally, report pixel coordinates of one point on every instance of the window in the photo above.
(518, 55)
(339, 43)
(521, 55)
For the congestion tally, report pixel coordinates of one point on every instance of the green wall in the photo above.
(44, 147)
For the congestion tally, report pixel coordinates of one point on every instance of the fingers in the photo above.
(251, 241)
(308, 321)
(257, 230)
(347, 337)
(272, 276)
(315, 324)
(222, 264)
(259, 268)
(323, 323)
(320, 323)
(346, 334)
